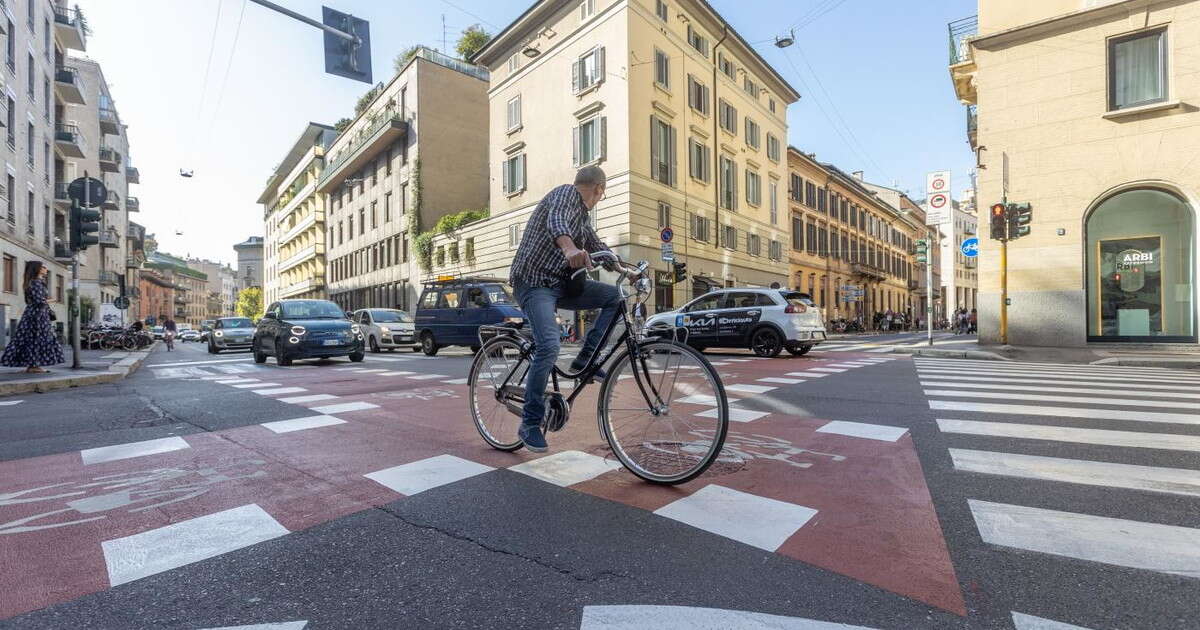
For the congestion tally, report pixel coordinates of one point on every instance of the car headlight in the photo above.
(513, 320)
(218, 334)
(355, 328)
(298, 331)
(294, 340)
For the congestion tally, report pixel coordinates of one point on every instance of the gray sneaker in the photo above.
(533, 438)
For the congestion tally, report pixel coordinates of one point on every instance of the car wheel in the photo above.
(374, 345)
(799, 350)
(259, 355)
(280, 357)
(427, 344)
(766, 343)
(357, 357)
(212, 349)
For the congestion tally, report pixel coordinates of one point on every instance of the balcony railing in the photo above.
(69, 84)
(60, 192)
(352, 154)
(972, 125)
(109, 278)
(110, 159)
(110, 122)
(870, 271)
(961, 33)
(69, 140)
(131, 174)
(132, 204)
(71, 27)
(109, 238)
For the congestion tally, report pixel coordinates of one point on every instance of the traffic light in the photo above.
(680, 270)
(85, 227)
(922, 250)
(1018, 215)
(999, 222)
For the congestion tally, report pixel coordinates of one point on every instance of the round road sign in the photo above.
(666, 234)
(938, 184)
(938, 200)
(970, 247)
(93, 196)
(121, 302)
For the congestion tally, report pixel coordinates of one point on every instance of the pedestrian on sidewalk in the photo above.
(33, 343)
(974, 326)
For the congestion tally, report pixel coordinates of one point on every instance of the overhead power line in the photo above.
(224, 79)
(455, 6)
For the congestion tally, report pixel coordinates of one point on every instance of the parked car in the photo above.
(189, 334)
(306, 329)
(450, 312)
(230, 333)
(767, 321)
(387, 328)
(158, 331)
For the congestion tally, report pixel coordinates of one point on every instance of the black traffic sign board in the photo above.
(90, 197)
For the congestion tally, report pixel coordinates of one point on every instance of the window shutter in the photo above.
(602, 130)
(575, 147)
(521, 172)
(576, 68)
(672, 160)
(599, 64)
(505, 172)
(655, 149)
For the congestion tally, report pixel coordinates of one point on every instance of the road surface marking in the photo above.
(133, 449)
(703, 399)
(1097, 399)
(784, 381)
(425, 377)
(255, 385)
(9, 403)
(1022, 621)
(456, 381)
(344, 369)
(178, 363)
(751, 519)
(828, 369)
(1098, 389)
(236, 381)
(808, 374)
(419, 476)
(1043, 381)
(157, 550)
(299, 424)
(1066, 412)
(1053, 366)
(282, 625)
(1132, 439)
(1056, 375)
(1149, 546)
(1130, 477)
(369, 370)
(880, 432)
(295, 400)
(641, 617)
(344, 407)
(281, 390)
(395, 373)
(739, 360)
(735, 414)
(750, 389)
(566, 468)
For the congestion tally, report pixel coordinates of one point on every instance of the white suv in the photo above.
(766, 321)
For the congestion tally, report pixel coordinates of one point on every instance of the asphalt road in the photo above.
(860, 488)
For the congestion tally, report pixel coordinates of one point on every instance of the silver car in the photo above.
(231, 333)
(387, 328)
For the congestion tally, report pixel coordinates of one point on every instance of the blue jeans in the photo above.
(539, 305)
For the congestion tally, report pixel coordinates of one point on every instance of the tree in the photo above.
(341, 125)
(250, 303)
(405, 55)
(365, 99)
(471, 41)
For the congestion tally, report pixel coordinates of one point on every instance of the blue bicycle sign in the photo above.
(970, 247)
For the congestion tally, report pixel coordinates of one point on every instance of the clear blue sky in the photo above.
(876, 68)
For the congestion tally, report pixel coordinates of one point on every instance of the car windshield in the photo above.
(386, 316)
(798, 299)
(237, 322)
(312, 309)
(499, 294)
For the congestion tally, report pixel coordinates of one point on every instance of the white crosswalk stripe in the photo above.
(998, 411)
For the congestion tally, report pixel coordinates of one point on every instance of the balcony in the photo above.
(132, 262)
(382, 130)
(60, 194)
(110, 123)
(962, 58)
(68, 86)
(301, 256)
(973, 126)
(300, 227)
(109, 239)
(868, 271)
(110, 278)
(69, 141)
(69, 28)
(110, 159)
(132, 204)
(306, 285)
(132, 175)
(180, 300)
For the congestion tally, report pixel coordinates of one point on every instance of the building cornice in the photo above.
(1059, 23)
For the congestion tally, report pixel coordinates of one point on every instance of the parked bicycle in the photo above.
(662, 406)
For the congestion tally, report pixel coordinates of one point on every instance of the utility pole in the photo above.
(929, 286)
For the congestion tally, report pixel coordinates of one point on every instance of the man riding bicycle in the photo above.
(169, 330)
(557, 241)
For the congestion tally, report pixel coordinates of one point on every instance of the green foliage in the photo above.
(250, 303)
(451, 222)
(341, 125)
(365, 99)
(405, 55)
(471, 41)
(423, 242)
(423, 246)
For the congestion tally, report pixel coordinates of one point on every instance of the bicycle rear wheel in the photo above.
(678, 437)
(496, 421)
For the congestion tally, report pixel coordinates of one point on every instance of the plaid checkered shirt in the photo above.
(539, 262)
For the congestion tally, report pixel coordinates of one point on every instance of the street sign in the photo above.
(937, 181)
(668, 252)
(666, 234)
(970, 247)
(121, 302)
(937, 209)
(848, 287)
(92, 197)
(345, 58)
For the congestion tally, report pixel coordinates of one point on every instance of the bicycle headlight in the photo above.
(217, 333)
(643, 286)
(298, 330)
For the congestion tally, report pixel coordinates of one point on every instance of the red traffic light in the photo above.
(998, 210)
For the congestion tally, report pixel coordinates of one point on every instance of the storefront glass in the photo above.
(1141, 263)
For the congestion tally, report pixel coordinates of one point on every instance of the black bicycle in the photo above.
(662, 406)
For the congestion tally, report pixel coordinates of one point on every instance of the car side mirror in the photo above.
(268, 316)
(349, 315)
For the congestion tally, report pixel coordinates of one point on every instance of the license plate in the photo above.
(330, 342)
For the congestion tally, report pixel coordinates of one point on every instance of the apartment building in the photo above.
(914, 227)
(385, 184)
(294, 214)
(960, 273)
(36, 36)
(156, 297)
(189, 299)
(850, 246)
(221, 290)
(135, 248)
(1086, 110)
(687, 120)
(249, 262)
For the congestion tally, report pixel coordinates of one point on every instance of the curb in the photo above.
(116, 372)
(951, 354)
(1163, 362)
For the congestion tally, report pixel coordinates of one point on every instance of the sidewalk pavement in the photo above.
(1138, 356)
(96, 366)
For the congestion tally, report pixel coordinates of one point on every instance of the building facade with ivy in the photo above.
(415, 152)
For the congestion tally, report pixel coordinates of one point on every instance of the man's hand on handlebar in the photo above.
(577, 258)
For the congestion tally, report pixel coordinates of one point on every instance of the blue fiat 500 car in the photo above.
(306, 329)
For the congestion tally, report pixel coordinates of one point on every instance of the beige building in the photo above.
(687, 120)
(221, 290)
(1086, 110)
(294, 214)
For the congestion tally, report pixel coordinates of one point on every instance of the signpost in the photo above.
(668, 252)
(938, 209)
(970, 247)
(667, 234)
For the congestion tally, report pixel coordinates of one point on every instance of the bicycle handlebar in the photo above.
(628, 270)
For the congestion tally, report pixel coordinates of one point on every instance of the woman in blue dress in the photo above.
(33, 343)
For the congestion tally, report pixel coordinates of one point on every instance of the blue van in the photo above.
(451, 311)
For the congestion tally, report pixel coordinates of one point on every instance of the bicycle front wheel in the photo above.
(497, 366)
(664, 412)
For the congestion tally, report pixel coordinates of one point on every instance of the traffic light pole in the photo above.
(350, 37)
(1004, 292)
(76, 346)
(929, 288)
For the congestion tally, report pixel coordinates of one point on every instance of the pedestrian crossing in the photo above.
(997, 413)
